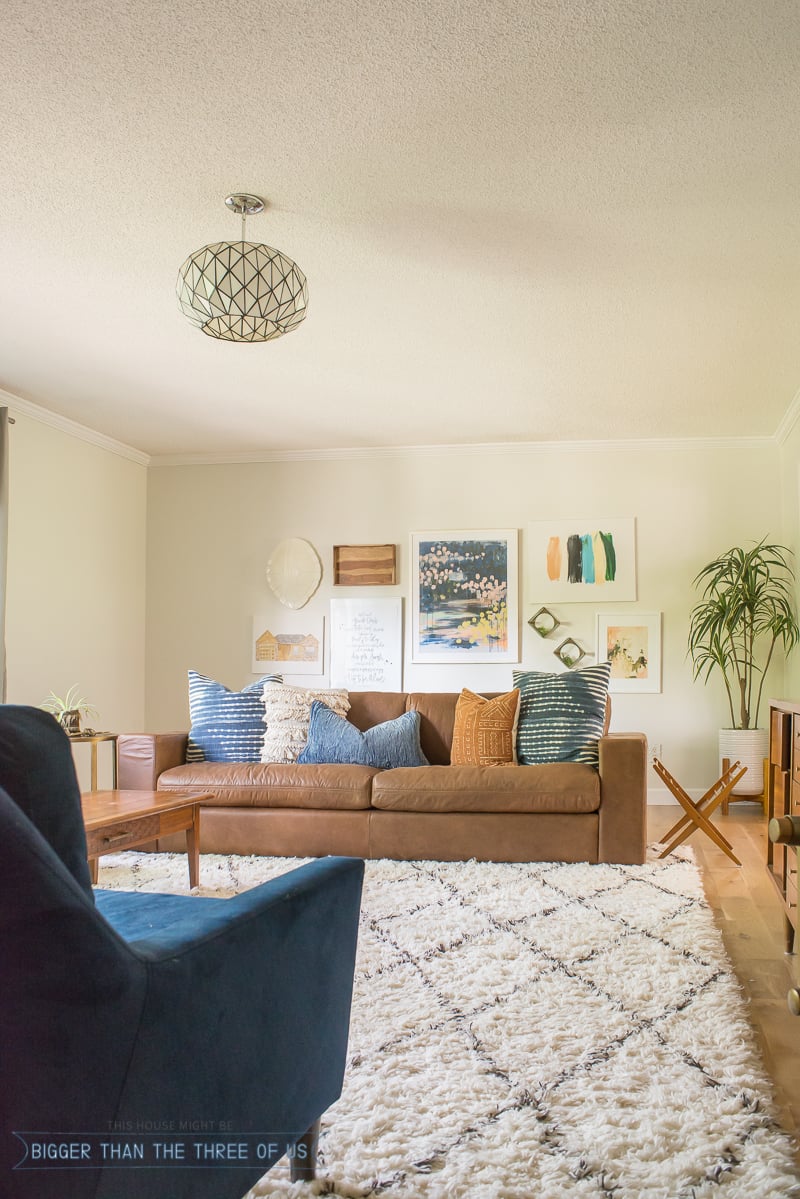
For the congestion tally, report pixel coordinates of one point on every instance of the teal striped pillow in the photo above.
(227, 726)
(561, 716)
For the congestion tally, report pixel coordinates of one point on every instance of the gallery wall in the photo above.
(121, 578)
(76, 570)
(212, 529)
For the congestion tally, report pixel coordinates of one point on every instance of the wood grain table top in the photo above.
(106, 807)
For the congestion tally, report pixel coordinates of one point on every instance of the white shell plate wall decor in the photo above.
(294, 572)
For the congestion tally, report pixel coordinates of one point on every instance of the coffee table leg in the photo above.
(94, 864)
(193, 847)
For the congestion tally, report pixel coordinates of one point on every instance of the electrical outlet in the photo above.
(656, 751)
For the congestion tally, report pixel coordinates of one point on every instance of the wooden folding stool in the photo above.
(697, 814)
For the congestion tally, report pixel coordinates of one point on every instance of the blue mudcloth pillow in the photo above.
(227, 726)
(331, 738)
(561, 716)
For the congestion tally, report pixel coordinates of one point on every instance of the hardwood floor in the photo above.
(750, 917)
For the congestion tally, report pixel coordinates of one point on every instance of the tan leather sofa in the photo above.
(555, 812)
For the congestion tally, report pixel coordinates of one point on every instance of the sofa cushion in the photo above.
(561, 716)
(373, 707)
(485, 730)
(273, 784)
(227, 726)
(287, 711)
(567, 787)
(331, 738)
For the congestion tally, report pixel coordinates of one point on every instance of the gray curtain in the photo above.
(4, 421)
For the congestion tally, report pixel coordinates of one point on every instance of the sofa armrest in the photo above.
(623, 798)
(142, 757)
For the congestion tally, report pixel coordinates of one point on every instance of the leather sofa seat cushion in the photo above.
(553, 787)
(274, 784)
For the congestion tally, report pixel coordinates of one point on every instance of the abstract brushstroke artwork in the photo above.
(631, 642)
(583, 560)
(464, 596)
(586, 558)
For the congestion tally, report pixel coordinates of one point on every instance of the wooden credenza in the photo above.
(784, 800)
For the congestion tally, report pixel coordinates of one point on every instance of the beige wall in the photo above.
(790, 535)
(211, 530)
(76, 573)
(89, 526)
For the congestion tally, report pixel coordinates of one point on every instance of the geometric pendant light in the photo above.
(242, 290)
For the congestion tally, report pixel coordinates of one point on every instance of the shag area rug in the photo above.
(532, 1031)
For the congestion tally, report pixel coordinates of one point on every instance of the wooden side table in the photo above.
(697, 814)
(117, 820)
(94, 739)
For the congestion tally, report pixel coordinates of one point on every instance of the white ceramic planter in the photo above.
(751, 747)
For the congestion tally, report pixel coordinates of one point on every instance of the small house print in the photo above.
(287, 647)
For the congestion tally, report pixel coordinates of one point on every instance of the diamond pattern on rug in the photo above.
(510, 1031)
(533, 1031)
(430, 932)
(492, 961)
(601, 1122)
(571, 933)
(638, 903)
(647, 976)
(414, 1005)
(514, 1148)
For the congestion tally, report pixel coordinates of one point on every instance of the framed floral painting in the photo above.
(631, 642)
(464, 600)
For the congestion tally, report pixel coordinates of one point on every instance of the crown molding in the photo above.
(16, 404)
(378, 453)
(371, 453)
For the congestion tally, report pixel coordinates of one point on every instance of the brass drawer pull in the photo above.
(113, 840)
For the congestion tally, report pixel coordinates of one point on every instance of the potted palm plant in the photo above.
(745, 613)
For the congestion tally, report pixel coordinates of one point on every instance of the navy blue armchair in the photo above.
(156, 1046)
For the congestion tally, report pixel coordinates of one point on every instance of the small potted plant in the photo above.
(746, 612)
(69, 711)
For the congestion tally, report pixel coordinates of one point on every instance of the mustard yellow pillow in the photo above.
(485, 732)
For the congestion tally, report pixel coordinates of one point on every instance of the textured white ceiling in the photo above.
(520, 219)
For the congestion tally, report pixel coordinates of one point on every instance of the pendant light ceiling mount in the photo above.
(242, 291)
(244, 204)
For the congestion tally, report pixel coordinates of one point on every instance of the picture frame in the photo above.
(288, 643)
(364, 565)
(631, 641)
(465, 596)
(591, 560)
(367, 644)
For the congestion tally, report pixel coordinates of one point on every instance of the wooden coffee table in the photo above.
(117, 820)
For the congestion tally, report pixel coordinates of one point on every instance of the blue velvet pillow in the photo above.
(331, 738)
(227, 726)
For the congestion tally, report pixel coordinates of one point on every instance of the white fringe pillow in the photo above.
(287, 711)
